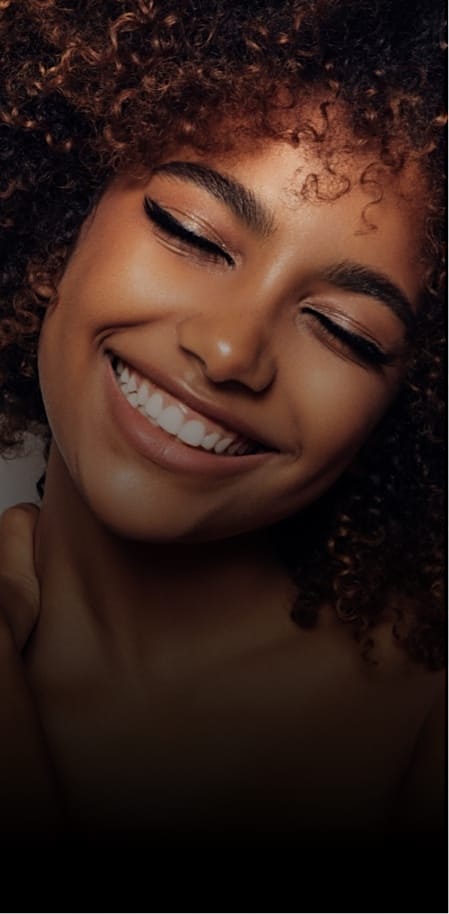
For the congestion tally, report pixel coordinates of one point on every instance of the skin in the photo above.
(190, 697)
(237, 337)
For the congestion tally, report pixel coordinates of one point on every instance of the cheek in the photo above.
(336, 404)
(65, 366)
(51, 358)
(138, 285)
(60, 395)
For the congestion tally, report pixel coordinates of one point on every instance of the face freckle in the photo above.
(283, 324)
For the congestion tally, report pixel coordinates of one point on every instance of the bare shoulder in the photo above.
(421, 805)
(19, 589)
(377, 674)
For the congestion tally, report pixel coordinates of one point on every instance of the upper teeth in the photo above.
(171, 415)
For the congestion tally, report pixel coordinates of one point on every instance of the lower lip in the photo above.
(169, 452)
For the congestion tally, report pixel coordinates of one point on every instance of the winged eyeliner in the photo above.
(167, 222)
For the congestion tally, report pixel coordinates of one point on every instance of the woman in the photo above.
(221, 259)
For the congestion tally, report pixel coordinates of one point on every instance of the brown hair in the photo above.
(93, 87)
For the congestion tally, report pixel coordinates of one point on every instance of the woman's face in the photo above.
(214, 306)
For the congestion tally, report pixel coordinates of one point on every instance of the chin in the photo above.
(152, 514)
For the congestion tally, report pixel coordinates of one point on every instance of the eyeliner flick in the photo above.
(168, 223)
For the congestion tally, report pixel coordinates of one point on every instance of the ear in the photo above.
(40, 284)
(45, 294)
(43, 290)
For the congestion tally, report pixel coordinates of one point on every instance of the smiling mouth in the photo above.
(176, 418)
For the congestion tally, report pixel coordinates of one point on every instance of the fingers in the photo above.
(19, 587)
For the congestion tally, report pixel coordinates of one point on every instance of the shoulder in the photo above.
(421, 806)
(19, 588)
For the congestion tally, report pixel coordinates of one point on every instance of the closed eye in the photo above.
(366, 350)
(170, 226)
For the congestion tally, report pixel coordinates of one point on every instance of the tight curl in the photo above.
(91, 88)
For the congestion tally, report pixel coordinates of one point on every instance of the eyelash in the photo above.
(168, 224)
(365, 349)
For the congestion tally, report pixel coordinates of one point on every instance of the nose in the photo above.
(232, 345)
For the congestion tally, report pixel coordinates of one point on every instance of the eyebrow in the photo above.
(227, 190)
(353, 277)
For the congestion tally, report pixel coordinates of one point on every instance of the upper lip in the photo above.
(181, 390)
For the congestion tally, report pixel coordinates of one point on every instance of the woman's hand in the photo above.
(19, 587)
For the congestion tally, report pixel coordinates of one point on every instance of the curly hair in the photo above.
(91, 88)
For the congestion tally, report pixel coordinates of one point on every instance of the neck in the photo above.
(145, 591)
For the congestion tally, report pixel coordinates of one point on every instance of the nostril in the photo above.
(240, 354)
